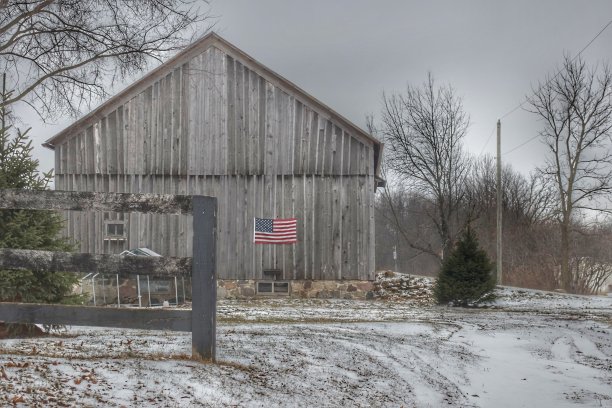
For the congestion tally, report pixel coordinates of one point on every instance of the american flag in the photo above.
(275, 231)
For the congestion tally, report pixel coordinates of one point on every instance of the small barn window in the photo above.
(273, 288)
(281, 287)
(264, 287)
(114, 227)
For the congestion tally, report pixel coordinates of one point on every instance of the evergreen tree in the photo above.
(28, 229)
(465, 278)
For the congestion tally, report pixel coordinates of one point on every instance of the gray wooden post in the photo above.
(204, 279)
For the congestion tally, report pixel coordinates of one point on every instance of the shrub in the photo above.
(465, 278)
(28, 229)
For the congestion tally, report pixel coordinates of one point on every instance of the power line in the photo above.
(559, 72)
(521, 145)
(546, 83)
(487, 142)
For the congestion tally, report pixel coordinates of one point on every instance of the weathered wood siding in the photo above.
(215, 126)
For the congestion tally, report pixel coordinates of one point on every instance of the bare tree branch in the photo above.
(62, 55)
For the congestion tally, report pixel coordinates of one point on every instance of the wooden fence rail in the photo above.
(201, 320)
(49, 261)
(95, 201)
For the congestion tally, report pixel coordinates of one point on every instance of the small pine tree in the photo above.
(28, 229)
(465, 278)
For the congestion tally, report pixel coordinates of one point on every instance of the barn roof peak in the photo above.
(195, 48)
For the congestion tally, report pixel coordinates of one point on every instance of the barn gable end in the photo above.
(213, 121)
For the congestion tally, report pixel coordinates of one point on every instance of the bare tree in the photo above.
(400, 223)
(525, 200)
(576, 108)
(423, 131)
(528, 204)
(62, 55)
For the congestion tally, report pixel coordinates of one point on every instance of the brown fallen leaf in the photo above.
(13, 364)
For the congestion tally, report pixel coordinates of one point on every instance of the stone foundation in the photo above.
(320, 289)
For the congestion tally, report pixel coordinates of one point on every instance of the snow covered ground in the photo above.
(528, 349)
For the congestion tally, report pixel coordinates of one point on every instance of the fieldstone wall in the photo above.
(344, 289)
(235, 289)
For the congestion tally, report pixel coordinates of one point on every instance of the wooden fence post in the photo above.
(204, 279)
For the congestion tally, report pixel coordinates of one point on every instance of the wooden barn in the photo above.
(214, 121)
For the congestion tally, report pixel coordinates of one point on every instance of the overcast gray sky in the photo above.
(347, 52)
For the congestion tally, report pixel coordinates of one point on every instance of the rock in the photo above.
(393, 285)
(247, 292)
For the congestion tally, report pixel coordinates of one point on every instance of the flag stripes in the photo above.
(275, 231)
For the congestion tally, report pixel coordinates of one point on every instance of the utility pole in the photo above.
(395, 256)
(3, 97)
(499, 206)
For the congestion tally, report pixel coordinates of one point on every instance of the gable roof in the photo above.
(196, 48)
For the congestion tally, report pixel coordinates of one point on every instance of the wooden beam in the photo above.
(147, 319)
(47, 261)
(204, 279)
(94, 201)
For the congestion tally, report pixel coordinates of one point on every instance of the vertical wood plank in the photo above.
(298, 128)
(241, 235)
(231, 216)
(262, 133)
(211, 142)
(167, 126)
(222, 79)
(71, 163)
(281, 250)
(195, 114)
(175, 133)
(78, 154)
(241, 135)
(185, 120)
(120, 140)
(270, 164)
(129, 137)
(290, 213)
(249, 204)
(354, 250)
(103, 148)
(299, 213)
(336, 225)
(346, 152)
(337, 146)
(327, 148)
(63, 158)
(258, 200)
(230, 106)
(100, 126)
(111, 133)
(321, 143)
(158, 126)
(250, 120)
(361, 255)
